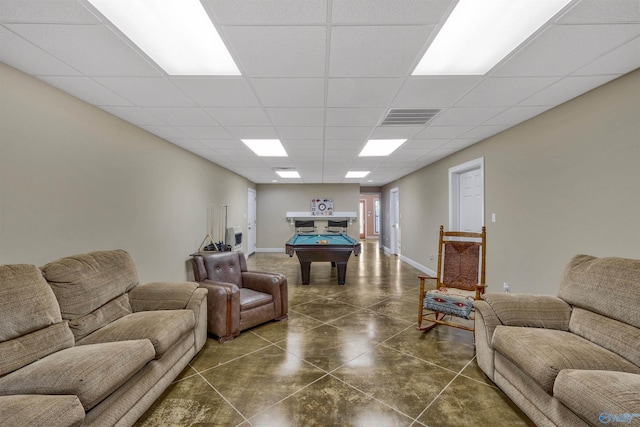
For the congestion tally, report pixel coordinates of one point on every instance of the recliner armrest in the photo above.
(535, 311)
(162, 296)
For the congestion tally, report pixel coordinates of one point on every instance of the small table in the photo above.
(334, 248)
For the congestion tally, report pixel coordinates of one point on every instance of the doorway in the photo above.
(394, 221)
(466, 196)
(363, 218)
(251, 222)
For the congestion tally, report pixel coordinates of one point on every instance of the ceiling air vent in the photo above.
(409, 117)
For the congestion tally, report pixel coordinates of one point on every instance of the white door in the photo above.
(251, 222)
(466, 196)
(394, 220)
(470, 194)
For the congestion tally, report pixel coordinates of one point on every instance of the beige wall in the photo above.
(274, 200)
(562, 183)
(75, 179)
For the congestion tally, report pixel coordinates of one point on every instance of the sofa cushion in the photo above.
(163, 328)
(608, 286)
(111, 311)
(83, 283)
(19, 352)
(41, 410)
(26, 301)
(611, 334)
(600, 397)
(543, 353)
(91, 372)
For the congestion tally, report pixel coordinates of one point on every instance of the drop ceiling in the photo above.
(321, 75)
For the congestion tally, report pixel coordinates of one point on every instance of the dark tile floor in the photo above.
(347, 356)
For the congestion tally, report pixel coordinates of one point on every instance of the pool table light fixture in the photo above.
(266, 147)
(380, 147)
(357, 174)
(177, 34)
(479, 34)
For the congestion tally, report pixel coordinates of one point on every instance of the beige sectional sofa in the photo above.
(571, 359)
(83, 343)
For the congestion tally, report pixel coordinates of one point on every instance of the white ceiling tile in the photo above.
(368, 93)
(204, 132)
(46, 11)
(290, 92)
(300, 132)
(515, 115)
(466, 116)
(296, 116)
(395, 132)
(217, 144)
(276, 51)
(136, 115)
(340, 156)
(434, 92)
(459, 144)
(354, 116)
(253, 132)
(620, 61)
(86, 89)
(442, 132)
(504, 91)
(375, 51)
(345, 144)
(562, 49)
(601, 12)
(348, 132)
(185, 116)
(303, 144)
(423, 144)
(29, 58)
(566, 89)
(147, 92)
(94, 50)
(389, 11)
(483, 132)
(238, 116)
(217, 91)
(268, 12)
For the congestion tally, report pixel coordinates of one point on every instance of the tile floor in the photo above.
(347, 356)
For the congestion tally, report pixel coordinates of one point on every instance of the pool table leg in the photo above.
(305, 268)
(342, 272)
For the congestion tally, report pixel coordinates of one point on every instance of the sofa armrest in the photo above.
(274, 284)
(162, 296)
(534, 311)
(41, 410)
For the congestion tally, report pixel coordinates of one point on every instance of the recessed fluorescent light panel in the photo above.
(381, 147)
(266, 147)
(479, 34)
(357, 174)
(177, 34)
(288, 174)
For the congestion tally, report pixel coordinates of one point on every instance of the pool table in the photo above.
(334, 248)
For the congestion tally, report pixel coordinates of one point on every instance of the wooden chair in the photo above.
(460, 280)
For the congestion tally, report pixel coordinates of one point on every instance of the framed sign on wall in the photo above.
(321, 207)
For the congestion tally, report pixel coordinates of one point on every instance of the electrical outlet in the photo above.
(506, 287)
(431, 257)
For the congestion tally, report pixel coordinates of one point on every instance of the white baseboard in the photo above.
(420, 267)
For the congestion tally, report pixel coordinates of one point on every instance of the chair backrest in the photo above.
(219, 266)
(303, 227)
(461, 259)
(336, 226)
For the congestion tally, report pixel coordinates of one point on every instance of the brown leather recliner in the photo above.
(238, 299)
